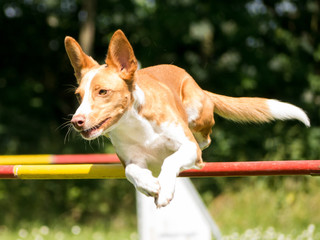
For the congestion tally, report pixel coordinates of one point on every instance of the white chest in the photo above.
(144, 142)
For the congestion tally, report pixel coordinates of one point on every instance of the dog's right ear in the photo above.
(79, 60)
(121, 56)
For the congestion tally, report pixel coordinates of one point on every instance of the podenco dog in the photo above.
(157, 118)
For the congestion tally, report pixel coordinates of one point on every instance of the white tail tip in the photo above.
(284, 111)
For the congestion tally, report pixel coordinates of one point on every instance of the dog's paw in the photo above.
(150, 187)
(167, 191)
(163, 199)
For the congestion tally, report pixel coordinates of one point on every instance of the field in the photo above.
(62, 233)
(279, 209)
(77, 232)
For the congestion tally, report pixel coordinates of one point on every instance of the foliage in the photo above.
(240, 48)
(75, 232)
(287, 204)
(271, 234)
(254, 210)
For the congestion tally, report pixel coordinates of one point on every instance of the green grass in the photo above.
(63, 233)
(257, 208)
(287, 208)
(310, 233)
(87, 233)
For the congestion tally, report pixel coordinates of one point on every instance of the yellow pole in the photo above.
(70, 171)
(25, 159)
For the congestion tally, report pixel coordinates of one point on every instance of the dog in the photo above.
(158, 119)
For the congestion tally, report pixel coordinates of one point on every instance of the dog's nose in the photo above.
(78, 121)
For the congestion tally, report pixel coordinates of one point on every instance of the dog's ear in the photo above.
(121, 56)
(79, 60)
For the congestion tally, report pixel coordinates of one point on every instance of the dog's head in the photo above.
(104, 91)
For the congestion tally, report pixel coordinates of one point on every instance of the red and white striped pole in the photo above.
(99, 166)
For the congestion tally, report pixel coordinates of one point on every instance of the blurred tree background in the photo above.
(239, 48)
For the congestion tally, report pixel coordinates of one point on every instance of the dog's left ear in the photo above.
(121, 56)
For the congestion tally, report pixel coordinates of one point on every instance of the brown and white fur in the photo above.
(157, 118)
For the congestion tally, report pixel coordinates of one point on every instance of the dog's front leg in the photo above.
(143, 180)
(184, 158)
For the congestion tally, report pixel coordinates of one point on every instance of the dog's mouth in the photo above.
(95, 131)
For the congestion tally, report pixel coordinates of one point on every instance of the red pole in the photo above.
(7, 171)
(84, 158)
(211, 169)
(267, 168)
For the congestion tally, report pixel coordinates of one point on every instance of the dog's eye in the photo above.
(78, 97)
(103, 92)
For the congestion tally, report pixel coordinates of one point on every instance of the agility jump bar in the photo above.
(78, 169)
(58, 159)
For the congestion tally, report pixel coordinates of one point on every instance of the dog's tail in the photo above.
(259, 110)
